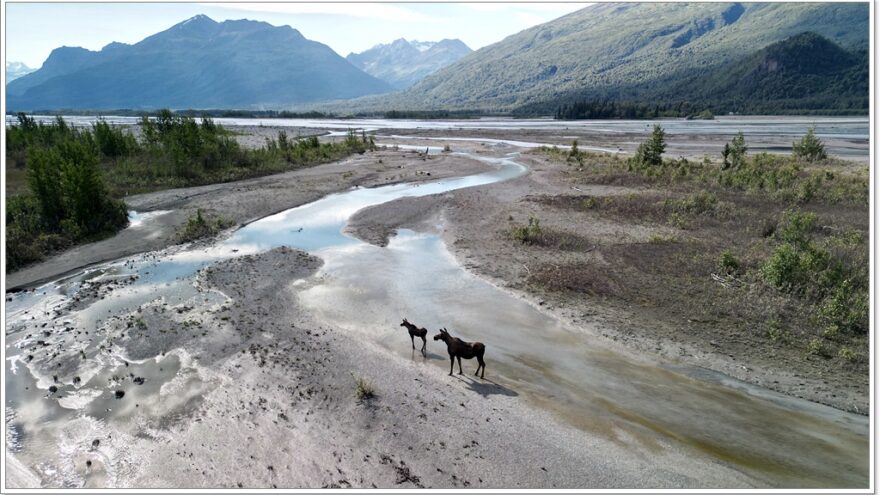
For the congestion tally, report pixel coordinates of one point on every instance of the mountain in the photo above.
(806, 71)
(625, 52)
(198, 63)
(14, 70)
(404, 63)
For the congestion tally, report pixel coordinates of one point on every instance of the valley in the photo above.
(250, 325)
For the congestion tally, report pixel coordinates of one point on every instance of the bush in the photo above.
(846, 309)
(728, 264)
(113, 141)
(849, 355)
(809, 148)
(693, 204)
(833, 275)
(650, 152)
(200, 227)
(817, 348)
(528, 234)
(796, 227)
(734, 153)
(363, 389)
(776, 333)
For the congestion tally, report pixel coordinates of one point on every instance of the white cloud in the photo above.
(384, 11)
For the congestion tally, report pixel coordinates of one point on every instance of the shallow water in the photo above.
(364, 288)
(779, 440)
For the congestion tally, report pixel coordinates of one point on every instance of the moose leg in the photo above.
(459, 365)
(451, 364)
(481, 367)
(424, 344)
(413, 340)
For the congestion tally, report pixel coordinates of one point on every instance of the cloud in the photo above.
(384, 11)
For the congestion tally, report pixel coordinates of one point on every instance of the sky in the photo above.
(33, 30)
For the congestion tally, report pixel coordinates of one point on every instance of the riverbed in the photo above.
(74, 343)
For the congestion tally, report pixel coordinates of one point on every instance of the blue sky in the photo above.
(34, 29)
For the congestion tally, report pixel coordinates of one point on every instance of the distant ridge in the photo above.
(403, 63)
(198, 63)
(14, 70)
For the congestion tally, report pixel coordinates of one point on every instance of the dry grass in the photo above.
(678, 279)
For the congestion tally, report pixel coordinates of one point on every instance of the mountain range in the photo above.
(14, 70)
(723, 57)
(638, 52)
(403, 63)
(198, 63)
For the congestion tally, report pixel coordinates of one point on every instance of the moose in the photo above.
(458, 348)
(414, 332)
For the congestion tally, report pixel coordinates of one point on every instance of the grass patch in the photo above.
(201, 226)
(363, 388)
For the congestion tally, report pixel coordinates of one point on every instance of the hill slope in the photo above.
(616, 51)
(198, 63)
(806, 71)
(404, 63)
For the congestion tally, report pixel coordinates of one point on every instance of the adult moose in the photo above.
(458, 348)
(414, 332)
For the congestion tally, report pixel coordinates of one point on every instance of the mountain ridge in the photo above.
(197, 63)
(403, 63)
(615, 51)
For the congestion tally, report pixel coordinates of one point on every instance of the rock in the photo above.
(53, 389)
(76, 380)
(119, 394)
(139, 380)
(95, 443)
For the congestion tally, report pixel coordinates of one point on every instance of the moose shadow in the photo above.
(486, 387)
(427, 356)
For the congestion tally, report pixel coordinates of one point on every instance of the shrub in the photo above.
(734, 153)
(846, 309)
(849, 355)
(363, 389)
(650, 152)
(199, 227)
(113, 141)
(809, 148)
(796, 226)
(776, 333)
(815, 347)
(528, 234)
(728, 264)
(693, 204)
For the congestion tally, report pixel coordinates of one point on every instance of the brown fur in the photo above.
(458, 348)
(414, 332)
